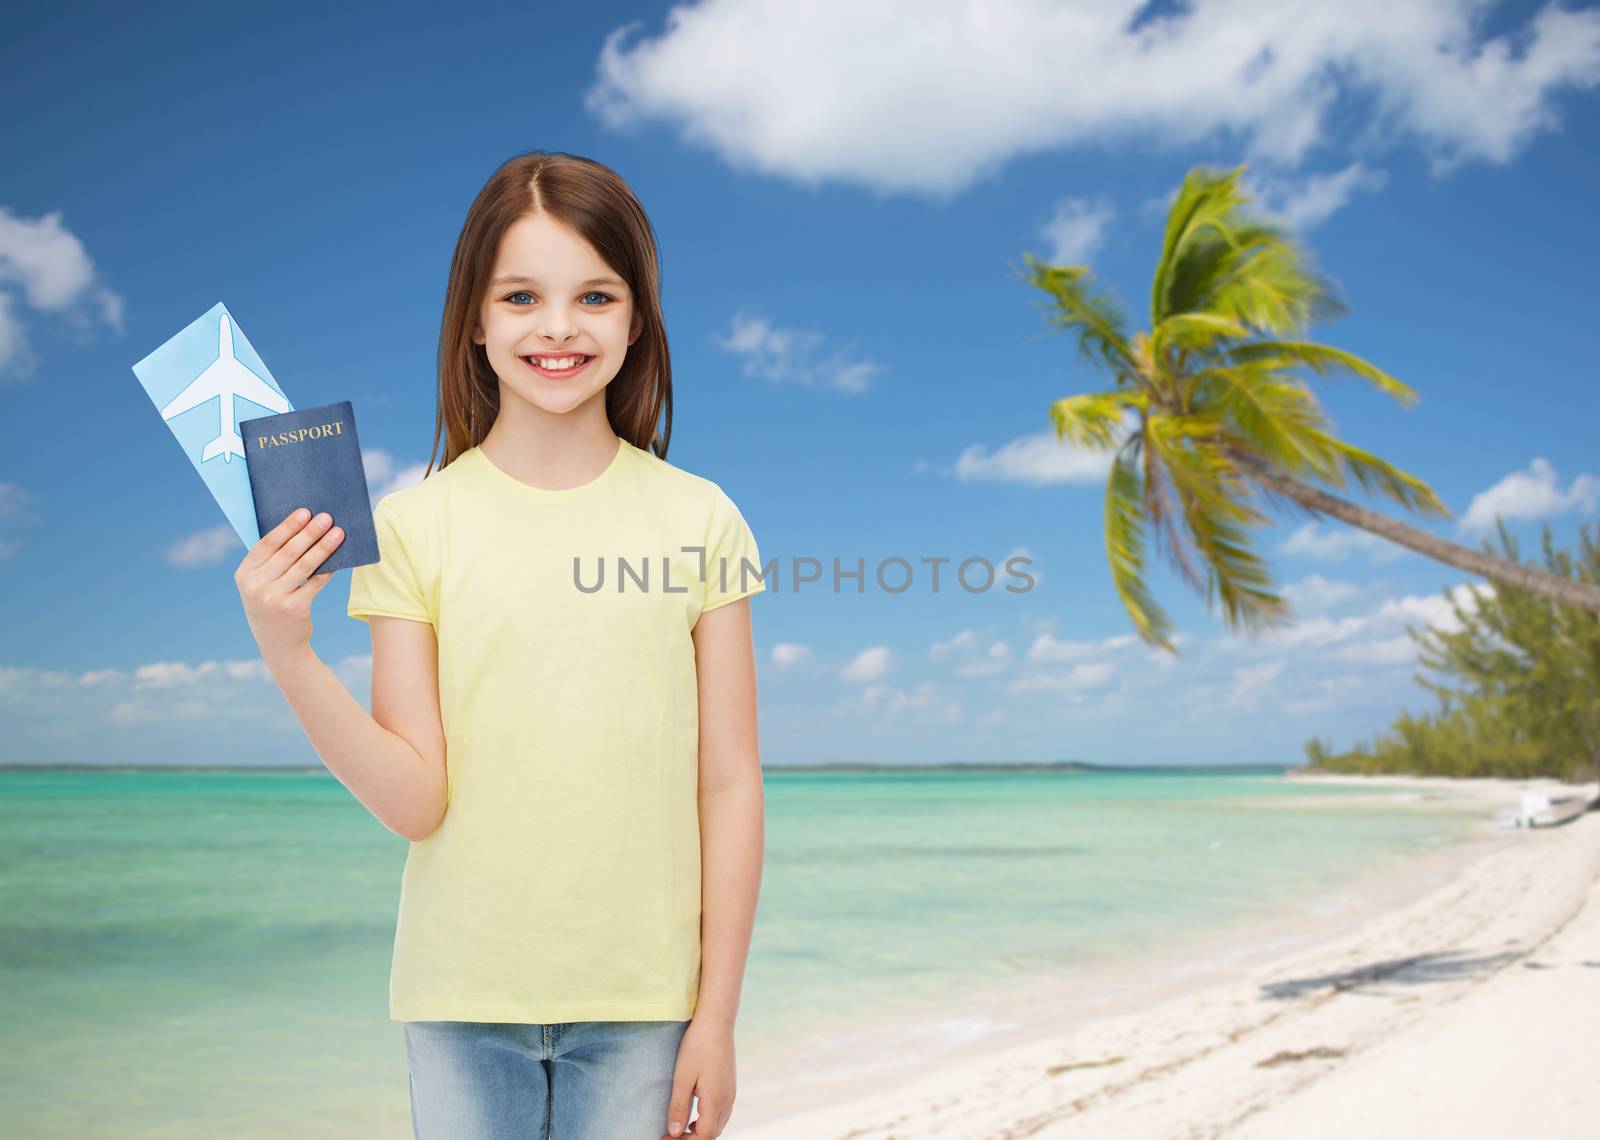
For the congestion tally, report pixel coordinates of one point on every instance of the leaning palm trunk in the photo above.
(1567, 591)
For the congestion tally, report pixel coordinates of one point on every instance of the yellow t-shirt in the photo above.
(564, 881)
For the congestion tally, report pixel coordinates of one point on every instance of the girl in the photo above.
(563, 694)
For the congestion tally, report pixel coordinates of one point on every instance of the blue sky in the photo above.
(841, 205)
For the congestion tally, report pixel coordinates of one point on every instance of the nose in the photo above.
(557, 328)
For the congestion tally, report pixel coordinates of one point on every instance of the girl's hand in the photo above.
(277, 582)
(705, 1069)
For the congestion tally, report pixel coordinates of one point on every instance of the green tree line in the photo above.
(1518, 684)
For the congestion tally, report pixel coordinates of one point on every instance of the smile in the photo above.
(561, 372)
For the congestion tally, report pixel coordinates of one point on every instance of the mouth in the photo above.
(563, 369)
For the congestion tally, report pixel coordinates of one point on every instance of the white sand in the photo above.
(1466, 1012)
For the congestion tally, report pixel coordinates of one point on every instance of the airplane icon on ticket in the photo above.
(225, 380)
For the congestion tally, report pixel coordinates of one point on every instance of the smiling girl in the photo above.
(563, 694)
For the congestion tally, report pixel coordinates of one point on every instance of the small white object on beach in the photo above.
(1539, 810)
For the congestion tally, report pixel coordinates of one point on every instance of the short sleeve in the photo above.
(392, 586)
(733, 562)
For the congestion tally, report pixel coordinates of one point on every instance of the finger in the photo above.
(284, 569)
(709, 1123)
(678, 1106)
(317, 581)
(280, 561)
(305, 566)
(270, 542)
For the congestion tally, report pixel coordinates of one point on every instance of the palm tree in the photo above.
(1207, 413)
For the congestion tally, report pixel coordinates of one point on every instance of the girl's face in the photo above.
(551, 298)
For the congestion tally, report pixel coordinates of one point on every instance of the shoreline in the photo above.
(1110, 1049)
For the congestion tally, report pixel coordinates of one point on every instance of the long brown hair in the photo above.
(595, 201)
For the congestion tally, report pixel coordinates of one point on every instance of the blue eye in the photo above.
(606, 297)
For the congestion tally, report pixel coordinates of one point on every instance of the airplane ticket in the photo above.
(203, 381)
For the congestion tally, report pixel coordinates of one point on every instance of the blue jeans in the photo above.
(571, 1080)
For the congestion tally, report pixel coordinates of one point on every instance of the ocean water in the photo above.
(206, 953)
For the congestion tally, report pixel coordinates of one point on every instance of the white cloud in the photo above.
(1435, 609)
(1314, 632)
(54, 274)
(1303, 203)
(1530, 494)
(1250, 681)
(168, 674)
(1069, 683)
(868, 665)
(811, 92)
(786, 655)
(972, 655)
(926, 697)
(1315, 593)
(385, 474)
(963, 643)
(791, 355)
(1336, 543)
(1398, 650)
(1377, 637)
(1328, 692)
(1025, 575)
(14, 501)
(1047, 648)
(215, 695)
(1077, 229)
(1038, 460)
(15, 355)
(15, 679)
(206, 548)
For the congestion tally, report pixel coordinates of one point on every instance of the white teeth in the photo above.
(558, 363)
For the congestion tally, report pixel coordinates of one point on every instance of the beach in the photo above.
(1454, 1000)
(975, 954)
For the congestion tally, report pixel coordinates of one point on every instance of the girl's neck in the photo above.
(555, 453)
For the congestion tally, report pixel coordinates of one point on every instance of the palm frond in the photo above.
(1379, 477)
(1220, 257)
(1091, 419)
(1187, 454)
(1271, 285)
(1324, 360)
(1270, 414)
(1191, 450)
(1238, 576)
(1211, 258)
(1197, 332)
(1082, 304)
(1204, 201)
(1217, 514)
(1162, 511)
(1125, 522)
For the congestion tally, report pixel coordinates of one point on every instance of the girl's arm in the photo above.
(732, 805)
(732, 839)
(392, 760)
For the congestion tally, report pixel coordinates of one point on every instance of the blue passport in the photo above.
(311, 457)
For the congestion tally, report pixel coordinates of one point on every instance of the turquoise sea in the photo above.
(206, 953)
